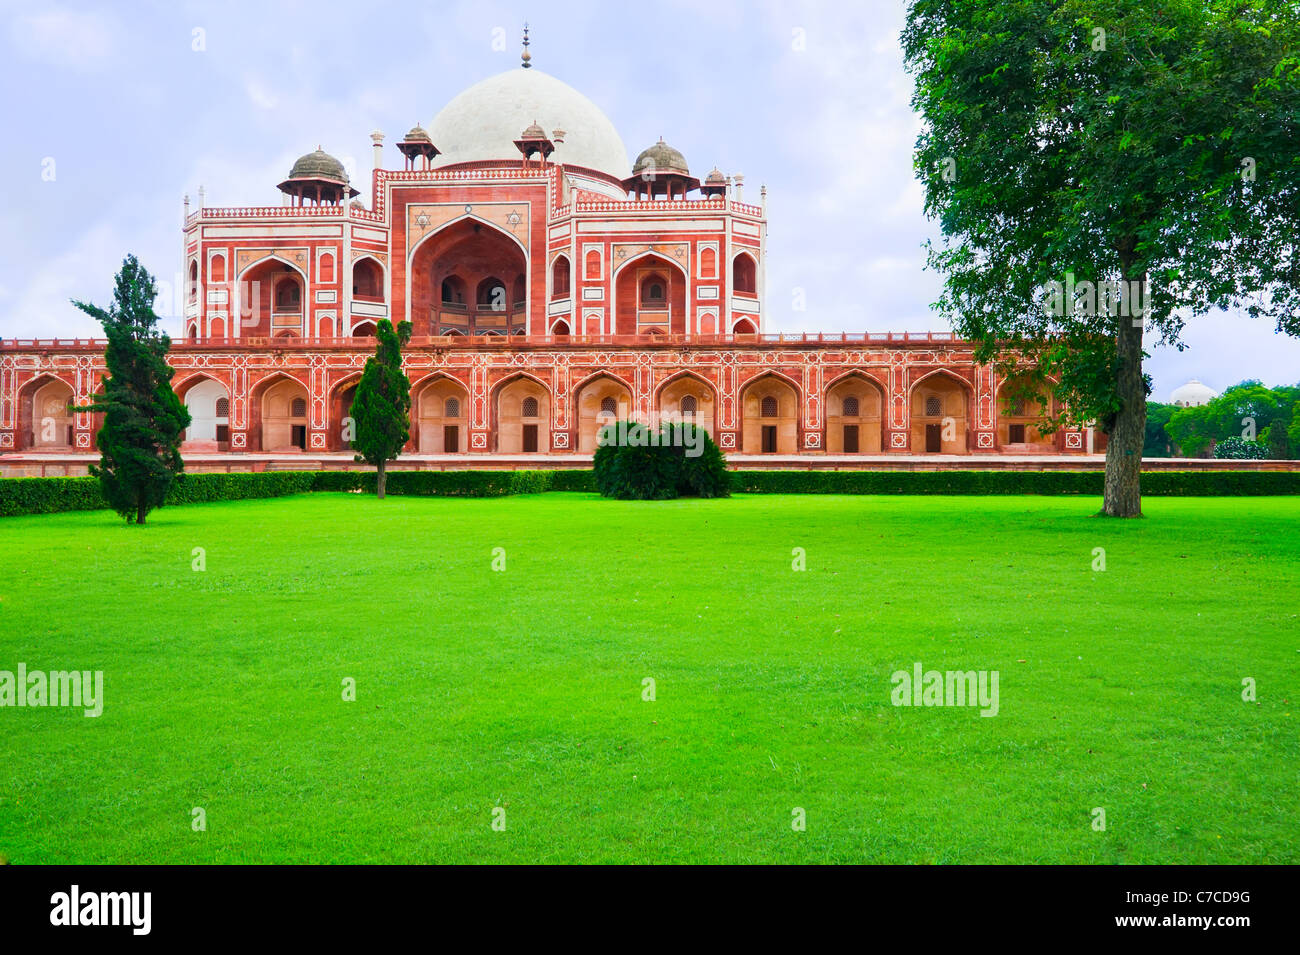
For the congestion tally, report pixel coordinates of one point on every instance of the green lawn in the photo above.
(523, 688)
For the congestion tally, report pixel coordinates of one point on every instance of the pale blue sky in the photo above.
(809, 98)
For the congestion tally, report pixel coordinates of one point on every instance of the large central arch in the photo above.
(451, 268)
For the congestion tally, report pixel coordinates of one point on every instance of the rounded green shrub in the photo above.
(636, 462)
(702, 469)
(1241, 449)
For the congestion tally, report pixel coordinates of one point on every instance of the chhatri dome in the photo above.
(1193, 394)
(483, 122)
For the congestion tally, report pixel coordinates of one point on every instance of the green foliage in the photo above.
(1241, 449)
(381, 408)
(698, 475)
(1095, 141)
(631, 463)
(1279, 442)
(144, 420)
(1154, 483)
(1243, 409)
(1158, 444)
(634, 462)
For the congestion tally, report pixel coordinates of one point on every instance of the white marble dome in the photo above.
(483, 122)
(1193, 394)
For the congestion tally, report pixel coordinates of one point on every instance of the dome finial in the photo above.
(527, 57)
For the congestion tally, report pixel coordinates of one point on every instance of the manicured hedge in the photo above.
(1154, 484)
(49, 495)
(55, 494)
(440, 483)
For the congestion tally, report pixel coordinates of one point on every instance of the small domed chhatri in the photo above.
(715, 184)
(318, 177)
(418, 148)
(319, 165)
(660, 169)
(661, 158)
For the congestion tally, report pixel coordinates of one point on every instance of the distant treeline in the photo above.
(1246, 421)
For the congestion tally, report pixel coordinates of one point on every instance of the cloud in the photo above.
(259, 95)
(82, 41)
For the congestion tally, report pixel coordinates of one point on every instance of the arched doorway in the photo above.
(281, 414)
(208, 403)
(340, 428)
(442, 416)
(600, 401)
(770, 417)
(523, 413)
(939, 415)
(689, 399)
(47, 416)
(853, 416)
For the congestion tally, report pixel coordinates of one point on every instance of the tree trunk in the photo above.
(380, 476)
(1123, 489)
(141, 511)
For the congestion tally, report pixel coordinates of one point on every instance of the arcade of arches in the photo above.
(521, 414)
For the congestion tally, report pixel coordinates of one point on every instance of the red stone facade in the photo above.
(536, 304)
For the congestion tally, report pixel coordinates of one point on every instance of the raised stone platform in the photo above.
(74, 465)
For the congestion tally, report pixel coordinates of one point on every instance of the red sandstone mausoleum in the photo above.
(547, 284)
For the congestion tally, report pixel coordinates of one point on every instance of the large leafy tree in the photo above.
(381, 408)
(144, 420)
(1105, 141)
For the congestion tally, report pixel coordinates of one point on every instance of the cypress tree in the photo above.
(381, 408)
(139, 442)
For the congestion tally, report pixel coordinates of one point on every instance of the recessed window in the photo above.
(1016, 434)
(851, 406)
(452, 408)
(299, 408)
(223, 407)
(529, 408)
(689, 406)
(933, 407)
(768, 407)
(609, 406)
(288, 295)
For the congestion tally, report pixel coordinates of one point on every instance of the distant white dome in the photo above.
(483, 122)
(1193, 394)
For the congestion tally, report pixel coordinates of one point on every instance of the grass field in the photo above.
(522, 688)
